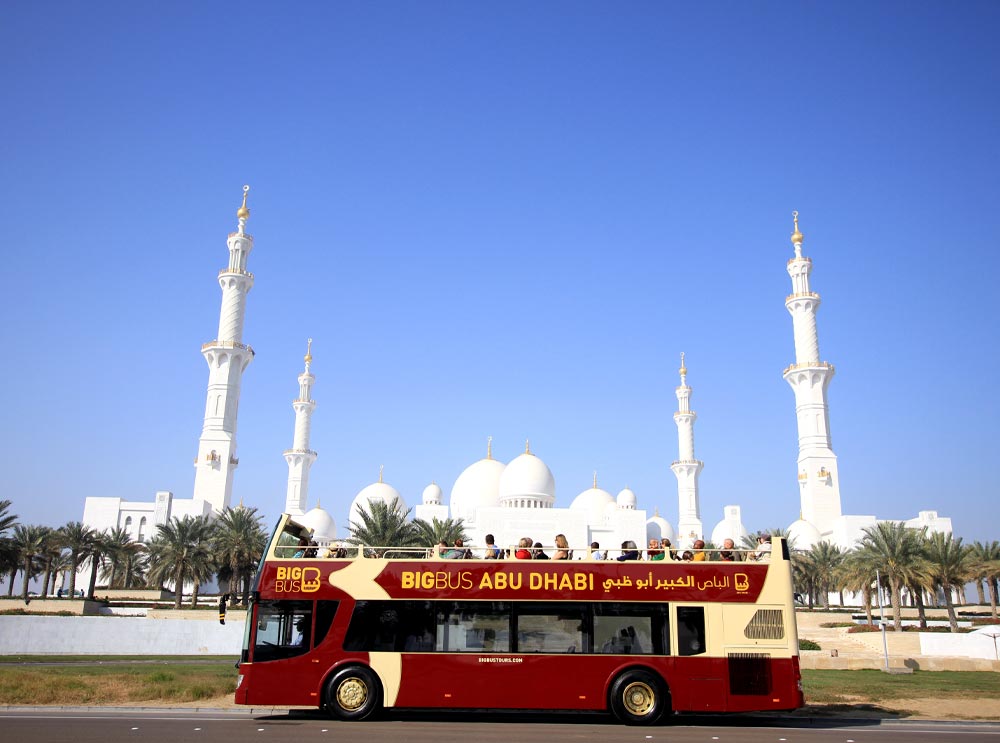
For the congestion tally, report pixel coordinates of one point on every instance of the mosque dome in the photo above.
(432, 495)
(594, 502)
(527, 482)
(802, 535)
(626, 500)
(658, 527)
(477, 487)
(324, 528)
(376, 492)
(729, 529)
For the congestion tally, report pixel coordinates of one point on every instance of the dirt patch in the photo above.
(927, 708)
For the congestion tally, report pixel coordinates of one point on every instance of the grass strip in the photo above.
(831, 687)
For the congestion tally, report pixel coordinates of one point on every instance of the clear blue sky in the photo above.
(502, 219)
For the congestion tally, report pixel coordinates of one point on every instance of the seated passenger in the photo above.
(595, 551)
(562, 548)
(699, 551)
(763, 553)
(523, 549)
(492, 551)
(300, 550)
(653, 552)
(629, 551)
(539, 552)
(458, 552)
(728, 554)
(665, 550)
(688, 556)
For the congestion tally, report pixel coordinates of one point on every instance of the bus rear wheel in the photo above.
(353, 693)
(638, 698)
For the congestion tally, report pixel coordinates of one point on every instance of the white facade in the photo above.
(300, 457)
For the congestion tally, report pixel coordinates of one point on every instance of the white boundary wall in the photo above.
(38, 635)
(970, 645)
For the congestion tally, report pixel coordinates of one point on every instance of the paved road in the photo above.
(170, 726)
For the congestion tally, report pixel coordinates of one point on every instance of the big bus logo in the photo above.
(742, 582)
(294, 580)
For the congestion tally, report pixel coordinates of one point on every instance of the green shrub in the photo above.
(828, 625)
(977, 621)
(869, 628)
(809, 645)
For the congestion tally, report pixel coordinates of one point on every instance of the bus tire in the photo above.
(638, 697)
(353, 693)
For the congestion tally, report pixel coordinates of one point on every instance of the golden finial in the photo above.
(380, 468)
(797, 236)
(489, 447)
(683, 370)
(527, 446)
(656, 510)
(243, 212)
(309, 355)
(595, 479)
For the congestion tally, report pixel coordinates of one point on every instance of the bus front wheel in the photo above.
(638, 698)
(353, 693)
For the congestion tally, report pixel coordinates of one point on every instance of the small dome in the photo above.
(477, 487)
(323, 527)
(802, 535)
(728, 529)
(377, 491)
(658, 527)
(626, 500)
(527, 478)
(432, 495)
(593, 502)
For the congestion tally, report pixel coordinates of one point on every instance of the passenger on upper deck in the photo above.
(523, 549)
(727, 554)
(492, 551)
(562, 548)
(458, 552)
(538, 553)
(595, 551)
(629, 551)
(302, 548)
(699, 550)
(654, 552)
(763, 553)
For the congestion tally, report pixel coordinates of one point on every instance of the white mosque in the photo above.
(518, 498)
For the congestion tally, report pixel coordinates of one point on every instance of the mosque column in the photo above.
(300, 457)
(686, 468)
(809, 378)
(227, 357)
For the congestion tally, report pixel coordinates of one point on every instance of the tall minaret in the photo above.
(686, 468)
(300, 457)
(227, 357)
(819, 481)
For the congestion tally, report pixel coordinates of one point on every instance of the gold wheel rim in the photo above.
(352, 693)
(639, 698)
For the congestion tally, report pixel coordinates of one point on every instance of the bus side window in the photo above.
(325, 611)
(690, 630)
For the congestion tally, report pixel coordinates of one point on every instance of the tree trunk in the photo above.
(74, 564)
(94, 564)
(952, 619)
(178, 587)
(980, 594)
(48, 576)
(918, 596)
(992, 585)
(10, 583)
(194, 595)
(866, 598)
(27, 577)
(895, 600)
(841, 594)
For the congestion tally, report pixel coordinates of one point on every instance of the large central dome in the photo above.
(527, 482)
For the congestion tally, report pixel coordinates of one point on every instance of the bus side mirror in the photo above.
(222, 609)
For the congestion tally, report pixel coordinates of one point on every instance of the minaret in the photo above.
(819, 481)
(686, 468)
(227, 357)
(300, 457)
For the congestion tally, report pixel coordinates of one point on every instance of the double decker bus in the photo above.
(372, 629)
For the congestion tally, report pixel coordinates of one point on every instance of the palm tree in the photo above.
(51, 550)
(97, 552)
(180, 551)
(123, 564)
(77, 538)
(951, 565)
(238, 545)
(61, 565)
(383, 526)
(896, 551)
(29, 541)
(436, 531)
(856, 574)
(7, 520)
(986, 565)
(824, 560)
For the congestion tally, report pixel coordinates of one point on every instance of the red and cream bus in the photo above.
(385, 629)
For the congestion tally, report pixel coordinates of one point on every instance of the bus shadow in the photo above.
(817, 717)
